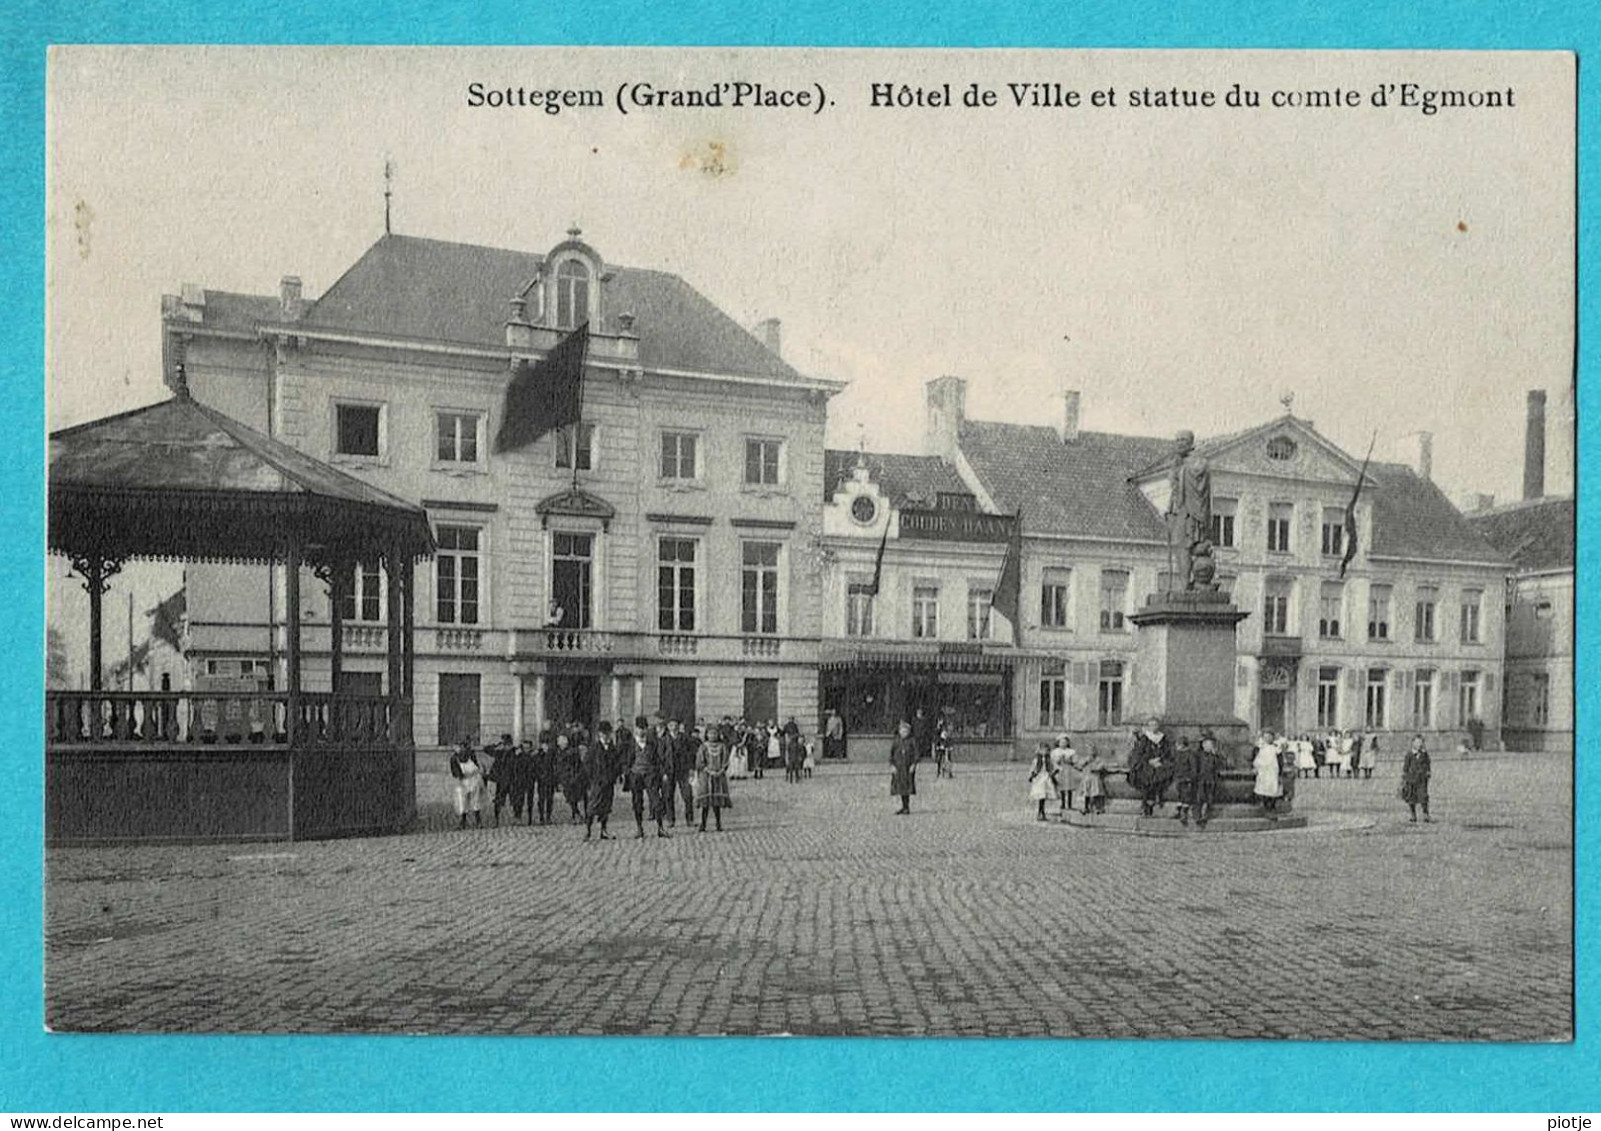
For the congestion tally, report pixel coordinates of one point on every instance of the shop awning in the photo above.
(836, 658)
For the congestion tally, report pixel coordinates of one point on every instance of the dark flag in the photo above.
(878, 561)
(1009, 588)
(545, 396)
(1350, 510)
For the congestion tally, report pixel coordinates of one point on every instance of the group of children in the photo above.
(1348, 753)
(758, 745)
(1060, 772)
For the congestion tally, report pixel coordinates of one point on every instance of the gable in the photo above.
(1285, 448)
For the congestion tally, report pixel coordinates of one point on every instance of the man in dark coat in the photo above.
(545, 775)
(501, 774)
(1150, 764)
(923, 734)
(903, 762)
(600, 773)
(681, 781)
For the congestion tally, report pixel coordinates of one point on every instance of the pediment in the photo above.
(1286, 448)
(575, 502)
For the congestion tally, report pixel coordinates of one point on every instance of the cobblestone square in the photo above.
(820, 912)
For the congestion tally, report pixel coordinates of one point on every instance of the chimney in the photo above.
(770, 331)
(1418, 447)
(289, 298)
(947, 406)
(1559, 441)
(1067, 427)
(1534, 446)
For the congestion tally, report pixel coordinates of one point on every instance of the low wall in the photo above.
(148, 793)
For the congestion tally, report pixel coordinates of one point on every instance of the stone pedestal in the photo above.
(1184, 670)
(1184, 675)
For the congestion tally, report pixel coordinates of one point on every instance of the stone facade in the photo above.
(528, 527)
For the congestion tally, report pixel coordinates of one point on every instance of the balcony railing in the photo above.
(132, 718)
(365, 638)
(574, 641)
(459, 639)
(677, 644)
(761, 647)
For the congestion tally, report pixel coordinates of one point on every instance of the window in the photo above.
(1223, 512)
(358, 430)
(456, 437)
(572, 579)
(859, 609)
(575, 447)
(1423, 622)
(1375, 698)
(759, 587)
(763, 462)
(1114, 599)
(1331, 605)
(1467, 698)
(1055, 598)
(1378, 612)
(978, 613)
(1328, 698)
(925, 612)
(362, 598)
(1279, 518)
(456, 571)
(1281, 448)
(1541, 696)
(1472, 601)
(1109, 700)
(1333, 532)
(1053, 701)
(572, 295)
(675, 584)
(1542, 610)
(1423, 699)
(1276, 608)
(680, 455)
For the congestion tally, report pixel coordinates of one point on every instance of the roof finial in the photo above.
(389, 176)
(861, 445)
(575, 231)
(1287, 399)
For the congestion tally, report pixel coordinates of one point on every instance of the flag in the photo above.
(1009, 587)
(545, 396)
(167, 619)
(878, 561)
(1350, 510)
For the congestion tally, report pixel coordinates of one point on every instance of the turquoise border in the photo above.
(149, 1074)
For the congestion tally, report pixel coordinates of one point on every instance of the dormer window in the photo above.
(572, 294)
(1281, 448)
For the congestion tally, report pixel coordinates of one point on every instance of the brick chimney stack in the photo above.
(1067, 425)
(1419, 450)
(289, 298)
(946, 400)
(1534, 446)
(771, 333)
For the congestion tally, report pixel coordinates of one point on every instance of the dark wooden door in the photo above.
(458, 708)
(678, 698)
(761, 700)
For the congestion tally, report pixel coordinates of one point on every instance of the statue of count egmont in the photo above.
(1189, 515)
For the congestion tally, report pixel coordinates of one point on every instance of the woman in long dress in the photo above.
(1415, 771)
(711, 777)
(903, 774)
(1065, 772)
(1266, 764)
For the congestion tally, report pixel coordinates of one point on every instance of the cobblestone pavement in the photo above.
(820, 912)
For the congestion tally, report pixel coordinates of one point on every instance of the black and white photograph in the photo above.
(850, 543)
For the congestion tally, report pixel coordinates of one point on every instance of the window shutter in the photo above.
(1242, 675)
(1353, 680)
(1489, 682)
(1081, 673)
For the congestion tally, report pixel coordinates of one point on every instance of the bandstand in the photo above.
(179, 481)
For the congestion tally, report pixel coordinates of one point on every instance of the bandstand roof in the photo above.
(179, 480)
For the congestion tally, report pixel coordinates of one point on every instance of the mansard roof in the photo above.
(431, 290)
(1537, 535)
(1080, 488)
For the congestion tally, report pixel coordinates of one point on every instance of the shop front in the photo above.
(967, 687)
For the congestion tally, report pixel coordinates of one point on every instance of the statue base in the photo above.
(1184, 676)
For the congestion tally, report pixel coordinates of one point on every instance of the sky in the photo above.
(1392, 270)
